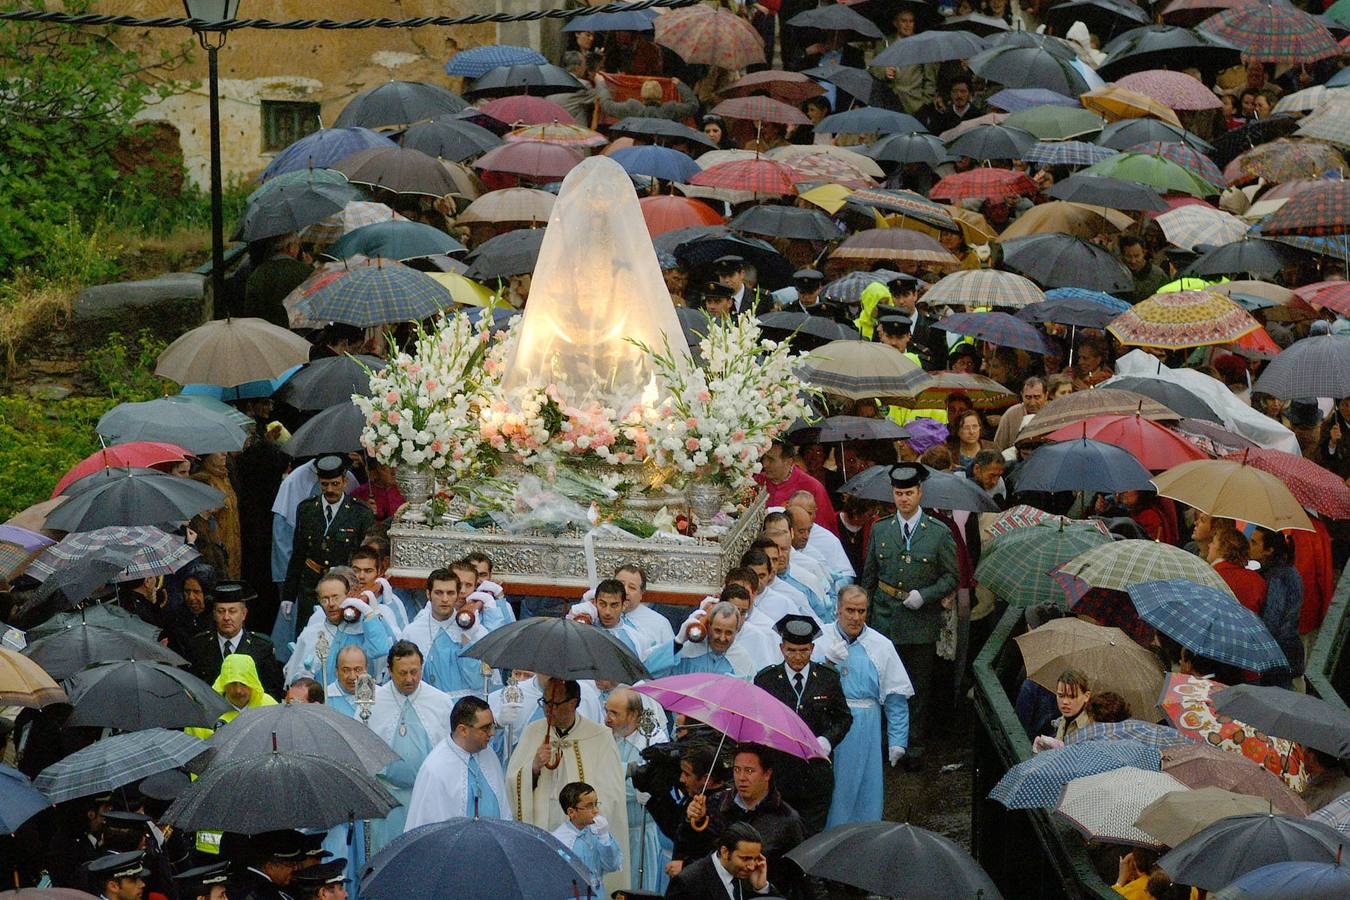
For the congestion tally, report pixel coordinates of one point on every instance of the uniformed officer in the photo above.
(328, 528)
(323, 881)
(813, 691)
(204, 882)
(118, 876)
(911, 572)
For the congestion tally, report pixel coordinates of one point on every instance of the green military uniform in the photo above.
(319, 547)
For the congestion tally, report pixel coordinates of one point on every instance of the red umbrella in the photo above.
(524, 110)
(1332, 295)
(531, 159)
(1314, 487)
(666, 213)
(1176, 90)
(136, 455)
(1150, 443)
(983, 184)
(790, 87)
(760, 176)
(761, 109)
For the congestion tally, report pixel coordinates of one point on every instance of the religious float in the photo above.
(583, 435)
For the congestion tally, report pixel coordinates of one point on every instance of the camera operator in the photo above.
(677, 776)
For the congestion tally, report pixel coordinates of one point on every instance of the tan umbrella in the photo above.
(25, 683)
(860, 370)
(1228, 489)
(1081, 405)
(510, 205)
(1067, 217)
(1177, 815)
(34, 518)
(1116, 103)
(231, 352)
(1199, 765)
(1110, 658)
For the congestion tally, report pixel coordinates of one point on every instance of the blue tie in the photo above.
(482, 801)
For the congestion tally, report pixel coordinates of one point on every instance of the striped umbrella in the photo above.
(1284, 160)
(859, 371)
(760, 109)
(984, 287)
(1150, 734)
(1315, 487)
(1208, 622)
(705, 35)
(1039, 781)
(984, 184)
(1066, 153)
(758, 176)
(1183, 319)
(155, 552)
(1184, 155)
(894, 243)
(1015, 565)
(1273, 32)
(1176, 90)
(1121, 564)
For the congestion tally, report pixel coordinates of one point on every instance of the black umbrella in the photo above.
(903, 860)
(869, 120)
(837, 429)
(300, 728)
(941, 490)
(811, 331)
(1255, 256)
(132, 695)
(449, 138)
(117, 761)
(793, 222)
(399, 103)
(72, 649)
(1073, 311)
(291, 207)
(1316, 366)
(506, 81)
(1103, 17)
(512, 253)
(658, 129)
(1155, 46)
(1131, 132)
(335, 430)
(1309, 720)
(1116, 193)
(131, 497)
(1062, 260)
(1082, 464)
(910, 148)
(1221, 853)
(930, 47)
(838, 17)
(992, 142)
(856, 83)
(330, 381)
(561, 648)
(1029, 67)
(277, 790)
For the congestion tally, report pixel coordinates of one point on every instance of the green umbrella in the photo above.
(1154, 171)
(1056, 123)
(1119, 565)
(1016, 565)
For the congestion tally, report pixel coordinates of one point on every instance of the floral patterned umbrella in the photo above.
(1186, 701)
(705, 35)
(1176, 90)
(1183, 319)
(1285, 160)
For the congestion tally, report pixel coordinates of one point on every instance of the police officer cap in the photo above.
(117, 865)
(807, 278)
(796, 629)
(233, 592)
(197, 882)
(907, 475)
(332, 872)
(330, 466)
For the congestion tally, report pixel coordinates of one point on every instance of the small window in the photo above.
(284, 122)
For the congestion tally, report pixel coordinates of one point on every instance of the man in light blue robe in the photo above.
(442, 640)
(873, 679)
(635, 730)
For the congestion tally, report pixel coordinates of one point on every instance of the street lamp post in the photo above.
(212, 39)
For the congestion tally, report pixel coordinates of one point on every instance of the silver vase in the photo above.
(415, 484)
(705, 500)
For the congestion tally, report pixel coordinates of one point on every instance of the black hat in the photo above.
(807, 278)
(795, 629)
(908, 475)
(329, 467)
(233, 592)
(198, 881)
(283, 844)
(332, 872)
(116, 865)
(166, 785)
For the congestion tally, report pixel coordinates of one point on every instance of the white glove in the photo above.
(837, 652)
(601, 826)
(896, 754)
(824, 744)
(492, 588)
(483, 597)
(914, 600)
(359, 604)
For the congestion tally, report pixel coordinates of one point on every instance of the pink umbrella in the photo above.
(742, 712)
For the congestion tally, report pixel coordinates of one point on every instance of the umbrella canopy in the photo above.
(996, 328)
(153, 552)
(1055, 123)
(478, 61)
(1039, 781)
(132, 497)
(24, 683)
(561, 648)
(1208, 622)
(793, 222)
(321, 149)
(1101, 190)
(1200, 765)
(1266, 31)
(132, 695)
(1311, 721)
(983, 287)
(68, 651)
(241, 795)
(1150, 443)
(1081, 405)
(1104, 807)
(666, 213)
(335, 430)
(525, 861)
(981, 391)
(116, 761)
(1108, 656)
(1316, 366)
(1122, 564)
(1016, 565)
(399, 103)
(1178, 815)
(1231, 847)
(1291, 881)
(1313, 486)
(904, 861)
(19, 800)
(984, 183)
(449, 138)
(303, 728)
(704, 35)
(330, 381)
(742, 712)
(1228, 489)
(1182, 319)
(182, 421)
(376, 295)
(860, 371)
(1155, 171)
(229, 352)
(1060, 260)
(1029, 67)
(1150, 734)
(523, 78)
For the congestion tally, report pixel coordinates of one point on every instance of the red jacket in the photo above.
(1248, 586)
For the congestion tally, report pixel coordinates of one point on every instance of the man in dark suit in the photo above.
(229, 611)
(328, 528)
(737, 871)
(814, 693)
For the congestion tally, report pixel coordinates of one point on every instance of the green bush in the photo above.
(40, 441)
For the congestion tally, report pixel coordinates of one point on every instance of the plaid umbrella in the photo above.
(1023, 516)
(1285, 160)
(376, 295)
(704, 35)
(1156, 171)
(1208, 622)
(1184, 155)
(117, 761)
(1228, 489)
(478, 61)
(1316, 366)
(1121, 564)
(1273, 32)
(1016, 565)
(1200, 765)
(997, 328)
(522, 109)
(156, 552)
(1182, 319)
(1115, 304)
(984, 184)
(1104, 807)
(1150, 734)
(1176, 90)
(849, 288)
(983, 287)
(568, 134)
(1066, 153)
(1314, 487)
(1039, 781)
(759, 176)
(860, 371)
(760, 109)
(894, 243)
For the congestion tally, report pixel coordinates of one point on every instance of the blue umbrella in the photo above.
(657, 162)
(1208, 622)
(323, 148)
(1291, 881)
(1038, 782)
(377, 295)
(478, 61)
(868, 120)
(396, 239)
(1115, 304)
(249, 390)
(19, 800)
(525, 861)
(624, 20)
(1082, 465)
(1017, 99)
(1149, 734)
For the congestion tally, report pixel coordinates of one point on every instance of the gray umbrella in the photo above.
(561, 648)
(335, 430)
(132, 497)
(992, 142)
(253, 794)
(941, 490)
(1316, 366)
(195, 427)
(449, 138)
(910, 148)
(1099, 190)
(1170, 394)
(132, 695)
(512, 253)
(330, 381)
(117, 761)
(291, 207)
(71, 649)
(1029, 67)
(300, 728)
(929, 47)
(1309, 720)
(1062, 260)
(1223, 852)
(399, 103)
